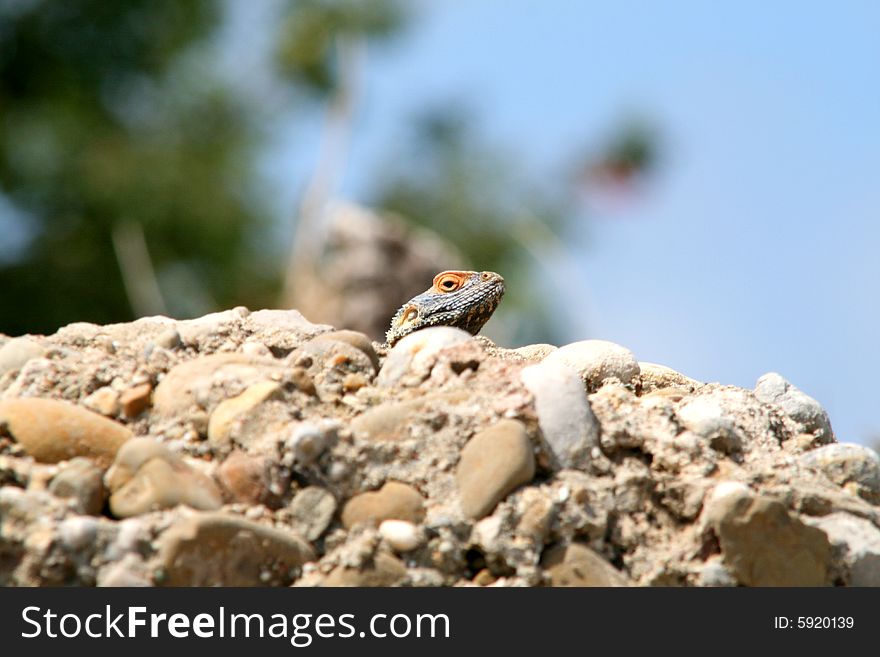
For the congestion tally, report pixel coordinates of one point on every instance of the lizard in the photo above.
(463, 299)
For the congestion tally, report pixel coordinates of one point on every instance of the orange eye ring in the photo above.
(449, 281)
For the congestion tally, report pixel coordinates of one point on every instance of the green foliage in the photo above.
(111, 112)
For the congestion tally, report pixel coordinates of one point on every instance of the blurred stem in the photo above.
(310, 231)
(138, 275)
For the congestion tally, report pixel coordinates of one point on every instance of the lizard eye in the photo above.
(448, 281)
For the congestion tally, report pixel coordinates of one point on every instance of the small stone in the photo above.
(355, 339)
(857, 541)
(167, 339)
(761, 543)
(220, 549)
(848, 464)
(597, 360)
(394, 501)
(706, 417)
(53, 431)
(655, 377)
(312, 511)
(81, 480)
(772, 388)
(307, 442)
(135, 400)
(568, 426)
(146, 476)
(18, 351)
(222, 423)
(249, 479)
(384, 570)
(77, 532)
(416, 352)
(104, 400)
(401, 535)
(493, 463)
(576, 564)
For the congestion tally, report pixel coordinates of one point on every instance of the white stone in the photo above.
(597, 360)
(569, 428)
(416, 352)
(859, 542)
(401, 535)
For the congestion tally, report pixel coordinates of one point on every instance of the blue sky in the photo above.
(755, 248)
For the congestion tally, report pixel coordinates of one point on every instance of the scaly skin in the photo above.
(464, 299)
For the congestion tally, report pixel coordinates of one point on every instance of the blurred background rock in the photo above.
(180, 156)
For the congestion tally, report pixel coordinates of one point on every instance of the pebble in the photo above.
(707, 417)
(355, 339)
(147, 476)
(18, 351)
(493, 463)
(53, 431)
(249, 479)
(576, 564)
(761, 543)
(383, 570)
(401, 535)
(77, 532)
(772, 388)
(83, 481)
(416, 353)
(167, 339)
(221, 549)
(597, 360)
(392, 420)
(394, 501)
(135, 400)
(308, 441)
(194, 381)
(312, 510)
(568, 426)
(104, 400)
(658, 377)
(859, 542)
(224, 417)
(848, 464)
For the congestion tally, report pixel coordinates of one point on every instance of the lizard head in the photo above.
(464, 299)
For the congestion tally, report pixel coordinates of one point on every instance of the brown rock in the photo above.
(218, 549)
(223, 419)
(493, 463)
(355, 339)
(383, 570)
(147, 476)
(312, 511)
(576, 564)
(765, 546)
(82, 480)
(249, 479)
(136, 400)
(53, 431)
(393, 501)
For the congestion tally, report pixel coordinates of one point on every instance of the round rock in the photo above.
(394, 501)
(597, 360)
(493, 463)
(83, 481)
(415, 352)
(15, 353)
(312, 511)
(772, 388)
(219, 549)
(53, 431)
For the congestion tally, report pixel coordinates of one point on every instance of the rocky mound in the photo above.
(261, 449)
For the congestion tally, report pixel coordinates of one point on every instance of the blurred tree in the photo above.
(121, 148)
